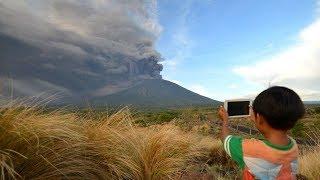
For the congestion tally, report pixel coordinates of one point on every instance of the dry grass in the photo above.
(35, 144)
(309, 163)
(309, 160)
(61, 145)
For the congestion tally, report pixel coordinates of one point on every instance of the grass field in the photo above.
(174, 144)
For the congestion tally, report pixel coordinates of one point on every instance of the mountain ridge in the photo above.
(155, 93)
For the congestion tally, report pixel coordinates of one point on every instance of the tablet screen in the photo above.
(238, 108)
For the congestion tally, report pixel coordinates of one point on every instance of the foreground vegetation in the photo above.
(59, 144)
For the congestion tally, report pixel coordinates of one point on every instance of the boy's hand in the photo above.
(223, 114)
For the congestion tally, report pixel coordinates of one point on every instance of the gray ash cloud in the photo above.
(78, 45)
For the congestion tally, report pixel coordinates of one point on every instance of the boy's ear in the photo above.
(259, 119)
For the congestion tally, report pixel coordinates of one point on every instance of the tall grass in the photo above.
(36, 144)
(60, 145)
(309, 163)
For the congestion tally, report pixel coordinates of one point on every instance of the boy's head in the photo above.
(279, 107)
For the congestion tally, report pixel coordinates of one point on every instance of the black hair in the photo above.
(280, 106)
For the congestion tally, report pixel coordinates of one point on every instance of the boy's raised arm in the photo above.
(223, 115)
(231, 144)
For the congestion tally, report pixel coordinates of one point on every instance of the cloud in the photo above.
(233, 86)
(296, 67)
(128, 27)
(114, 40)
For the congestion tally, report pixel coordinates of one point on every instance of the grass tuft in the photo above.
(39, 144)
(59, 145)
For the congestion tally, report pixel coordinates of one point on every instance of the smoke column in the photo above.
(78, 46)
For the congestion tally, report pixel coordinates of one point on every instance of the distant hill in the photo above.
(311, 102)
(155, 93)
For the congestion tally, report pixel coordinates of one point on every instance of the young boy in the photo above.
(274, 112)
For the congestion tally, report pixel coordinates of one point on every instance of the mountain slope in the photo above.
(155, 93)
(311, 102)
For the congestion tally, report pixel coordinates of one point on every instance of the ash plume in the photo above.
(78, 46)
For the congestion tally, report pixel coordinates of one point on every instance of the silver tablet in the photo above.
(238, 107)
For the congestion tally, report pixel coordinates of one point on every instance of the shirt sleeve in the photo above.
(233, 147)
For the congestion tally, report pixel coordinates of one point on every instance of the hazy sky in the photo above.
(229, 49)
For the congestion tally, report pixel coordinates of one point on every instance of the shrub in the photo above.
(298, 130)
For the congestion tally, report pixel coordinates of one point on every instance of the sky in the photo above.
(217, 48)
(235, 49)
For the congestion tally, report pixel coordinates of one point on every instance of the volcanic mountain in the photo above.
(155, 93)
(83, 53)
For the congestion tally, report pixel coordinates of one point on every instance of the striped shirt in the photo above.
(260, 159)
